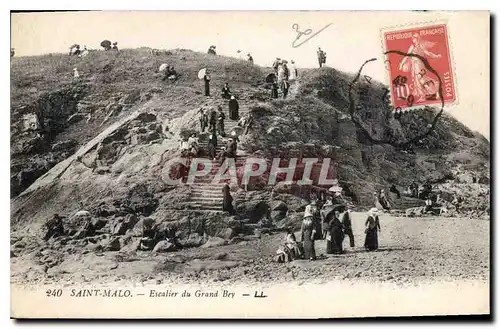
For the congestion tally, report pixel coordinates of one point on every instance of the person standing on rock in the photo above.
(285, 86)
(372, 225)
(234, 107)
(220, 121)
(212, 120)
(203, 119)
(227, 201)
(212, 145)
(250, 59)
(293, 71)
(276, 64)
(226, 92)
(206, 78)
(274, 90)
(321, 57)
(307, 233)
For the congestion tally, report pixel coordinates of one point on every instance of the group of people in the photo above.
(169, 73)
(332, 223)
(321, 57)
(423, 191)
(211, 50)
(381, 201)
(283, 77)
(75, 50)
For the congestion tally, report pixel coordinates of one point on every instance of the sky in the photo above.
(351, 39)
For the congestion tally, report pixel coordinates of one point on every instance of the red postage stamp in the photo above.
(419, 64)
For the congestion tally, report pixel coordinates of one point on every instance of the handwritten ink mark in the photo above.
(246, 295)
(295, 27)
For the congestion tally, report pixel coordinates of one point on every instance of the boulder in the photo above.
(226, 234)
(414, 212)
(279, 206)
(214, 242)
(132, 246)
(164, 246)
(194, 240)
(111, 244)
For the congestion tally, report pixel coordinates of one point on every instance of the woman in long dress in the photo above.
(233, 109)
(227, 202)
(307, 232)
(372, 228)
(336, 237)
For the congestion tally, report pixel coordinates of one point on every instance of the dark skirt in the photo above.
(371, 239)
(308, 245)
(227, 204)
(334, 245)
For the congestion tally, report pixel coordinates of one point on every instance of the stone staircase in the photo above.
(205, 194)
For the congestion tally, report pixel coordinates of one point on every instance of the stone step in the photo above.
(204, 207)
(205, 201)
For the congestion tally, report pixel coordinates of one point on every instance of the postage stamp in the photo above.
(419, 64)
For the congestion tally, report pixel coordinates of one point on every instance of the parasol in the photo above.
(329, 210)
(335, 188)
(106, 44)
(202, 73)
(271, 77)
(163, 67)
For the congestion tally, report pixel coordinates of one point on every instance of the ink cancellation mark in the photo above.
(295, 27)
(411, 83)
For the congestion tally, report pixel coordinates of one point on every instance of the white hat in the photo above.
(373, 211)
(232, 97)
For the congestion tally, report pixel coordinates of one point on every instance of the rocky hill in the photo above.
(102, 142)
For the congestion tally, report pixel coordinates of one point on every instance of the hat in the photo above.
(232, 97)
(373, 211)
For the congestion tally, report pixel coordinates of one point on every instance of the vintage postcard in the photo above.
(272, 165)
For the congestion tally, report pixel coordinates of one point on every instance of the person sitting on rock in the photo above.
(170, 74)
(227, 201)
(291, 244)
(250, 59)
(184, 147)
(394, 190)
(226, 93)
(193, 145)
(221, 157)
(115, 46)
(428, 206)
(232, 148)
(85, 52)
(384, 201)
(55, 227)
(211, 50)
(148, 235)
